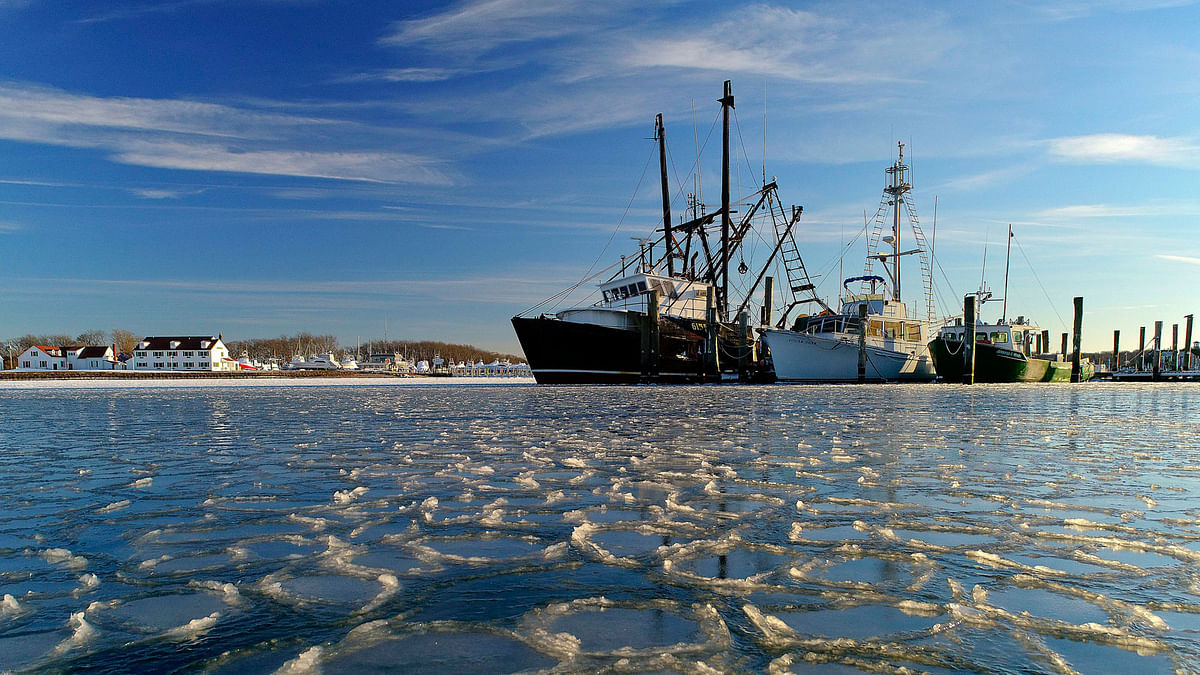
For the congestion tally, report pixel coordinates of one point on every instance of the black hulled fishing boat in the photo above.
(671, 317)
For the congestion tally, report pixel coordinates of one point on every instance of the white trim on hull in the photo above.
(803, 357)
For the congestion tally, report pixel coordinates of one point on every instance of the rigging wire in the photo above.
(611, 237)
(1061, 320)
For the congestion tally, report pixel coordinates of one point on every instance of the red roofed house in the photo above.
(48, 357)
(42, 357)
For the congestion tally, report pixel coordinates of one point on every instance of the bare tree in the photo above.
(92, 337)
(125, 340)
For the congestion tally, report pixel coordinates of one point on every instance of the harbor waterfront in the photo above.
(424, 525)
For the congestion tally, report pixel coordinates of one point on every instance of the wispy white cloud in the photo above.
(1067, 10)
(197, 136)
(1179, 258)
(8, 226)
(1116, 148)
(1092, 211)
(404, 75)
(818, 48)
(478, 27)
(162, 193)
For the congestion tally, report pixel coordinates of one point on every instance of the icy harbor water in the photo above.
(515, 528)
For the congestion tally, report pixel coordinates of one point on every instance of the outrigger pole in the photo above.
(668, 239)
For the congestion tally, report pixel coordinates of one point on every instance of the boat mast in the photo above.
(1007, 253)
(726, 105)
(668, 239)
(897, 190)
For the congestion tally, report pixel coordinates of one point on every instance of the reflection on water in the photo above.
(516, 528)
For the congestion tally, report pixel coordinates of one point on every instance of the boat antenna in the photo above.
(983, 270)
(764, 162)
(699, 177)
(1007, 253)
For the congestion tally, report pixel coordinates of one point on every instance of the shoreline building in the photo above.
(183, 352)
(51, 357)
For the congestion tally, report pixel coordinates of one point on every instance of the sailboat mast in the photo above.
(1007, 253)
(668, 239)
(726, 105)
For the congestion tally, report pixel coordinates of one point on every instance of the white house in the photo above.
(48, 357)
(42, 357)
(184, 352)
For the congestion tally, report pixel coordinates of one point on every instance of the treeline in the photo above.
(282, 347)
(123, 339)
(305, 344)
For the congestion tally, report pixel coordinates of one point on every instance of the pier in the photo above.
(1151, 362)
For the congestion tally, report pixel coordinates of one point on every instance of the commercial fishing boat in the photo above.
(828, 347)
(1005, 351)
(671, 318)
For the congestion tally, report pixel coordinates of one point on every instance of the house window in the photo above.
(25, 364)
(158, 353)
(159, 364)
(43, 364)
(142, 364)
(187, 364)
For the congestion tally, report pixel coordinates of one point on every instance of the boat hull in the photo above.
(805, 357)
(567, 352)
(997, 365)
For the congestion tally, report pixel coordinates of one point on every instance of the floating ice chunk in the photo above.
(915, 608)
(81, 633)
(61, 556)
(194, 628)
(306, 663)
(574, 463)
(347, 496)
(86, 583)
(229, 593)
(317, 524)
(142, 482)
(9, 605)
(115, 506)
(153, 562)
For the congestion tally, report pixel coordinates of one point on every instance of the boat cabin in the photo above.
(886, 319)
(1017, 336)
(676, 297)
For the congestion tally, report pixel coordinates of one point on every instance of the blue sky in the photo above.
(263, 167)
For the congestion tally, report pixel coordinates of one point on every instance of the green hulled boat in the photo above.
(1002, 354)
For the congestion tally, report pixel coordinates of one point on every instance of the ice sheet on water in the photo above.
(364, 504)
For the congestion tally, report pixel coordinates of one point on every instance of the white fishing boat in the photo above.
(828, 347)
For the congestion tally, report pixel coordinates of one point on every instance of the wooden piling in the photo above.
(1116, 361)
(1141, 349)
(1187, 342)
(1063, 352)
(1077, 337)
(1157, 367)
(968, 345)
(1174, 346)
(745, 345)
(710, 363)
(768, 297)
(862, 343)
(650, 339)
